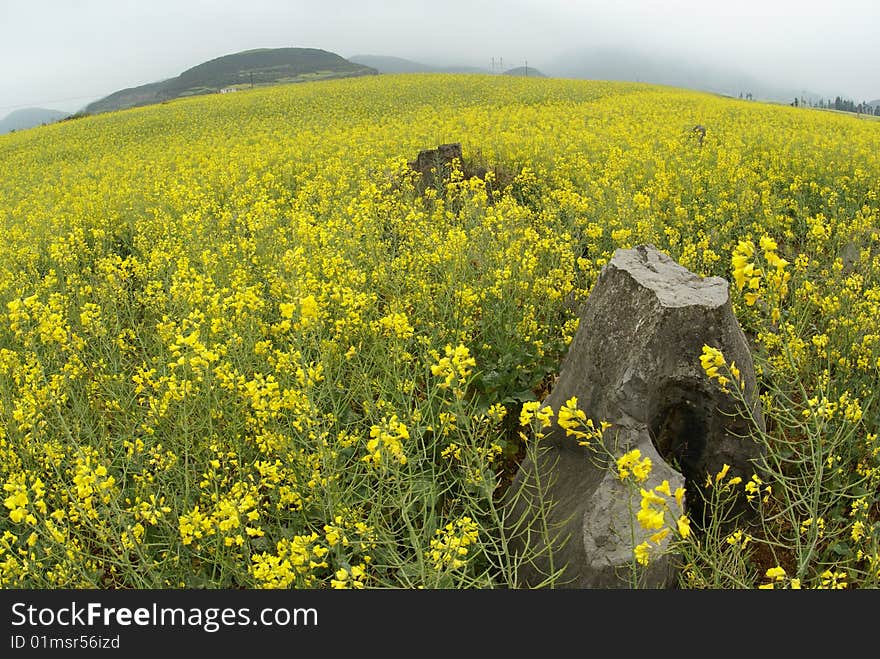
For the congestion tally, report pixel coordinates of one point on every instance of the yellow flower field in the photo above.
(241, 348)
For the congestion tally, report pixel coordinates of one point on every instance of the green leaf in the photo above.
(841, 549)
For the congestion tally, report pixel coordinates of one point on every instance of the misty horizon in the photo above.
(71, 56)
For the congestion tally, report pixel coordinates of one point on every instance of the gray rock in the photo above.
(635, 362)
(850, 255)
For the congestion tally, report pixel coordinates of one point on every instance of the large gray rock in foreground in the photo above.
(635, 362)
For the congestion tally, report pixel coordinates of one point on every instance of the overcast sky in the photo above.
(63, 54)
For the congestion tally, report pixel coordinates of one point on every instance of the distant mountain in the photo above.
(28, 118)
(262, 66)
(525, 71)
(462, 68)
(621, 64)
(390, 64)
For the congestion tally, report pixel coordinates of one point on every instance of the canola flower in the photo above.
(576, 424)
(632, 464)
(386, 442)
(534, 411)
(450, 545)
(454, 368)
(655, 516)
(714, 364)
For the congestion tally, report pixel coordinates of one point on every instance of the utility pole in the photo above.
(527, 68)
(252, 80)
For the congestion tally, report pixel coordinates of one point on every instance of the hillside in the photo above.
(28, 118)
(242, 346)
(391, 64)
(525, 72)
(265, 66)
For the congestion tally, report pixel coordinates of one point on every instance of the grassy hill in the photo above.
(264, 66)
(28, 118)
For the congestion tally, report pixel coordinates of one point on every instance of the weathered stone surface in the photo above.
(634, 362)
(435, 159)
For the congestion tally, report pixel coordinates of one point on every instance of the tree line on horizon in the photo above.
(839, 103)
(845, 105)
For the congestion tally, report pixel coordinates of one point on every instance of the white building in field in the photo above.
(226, 90)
